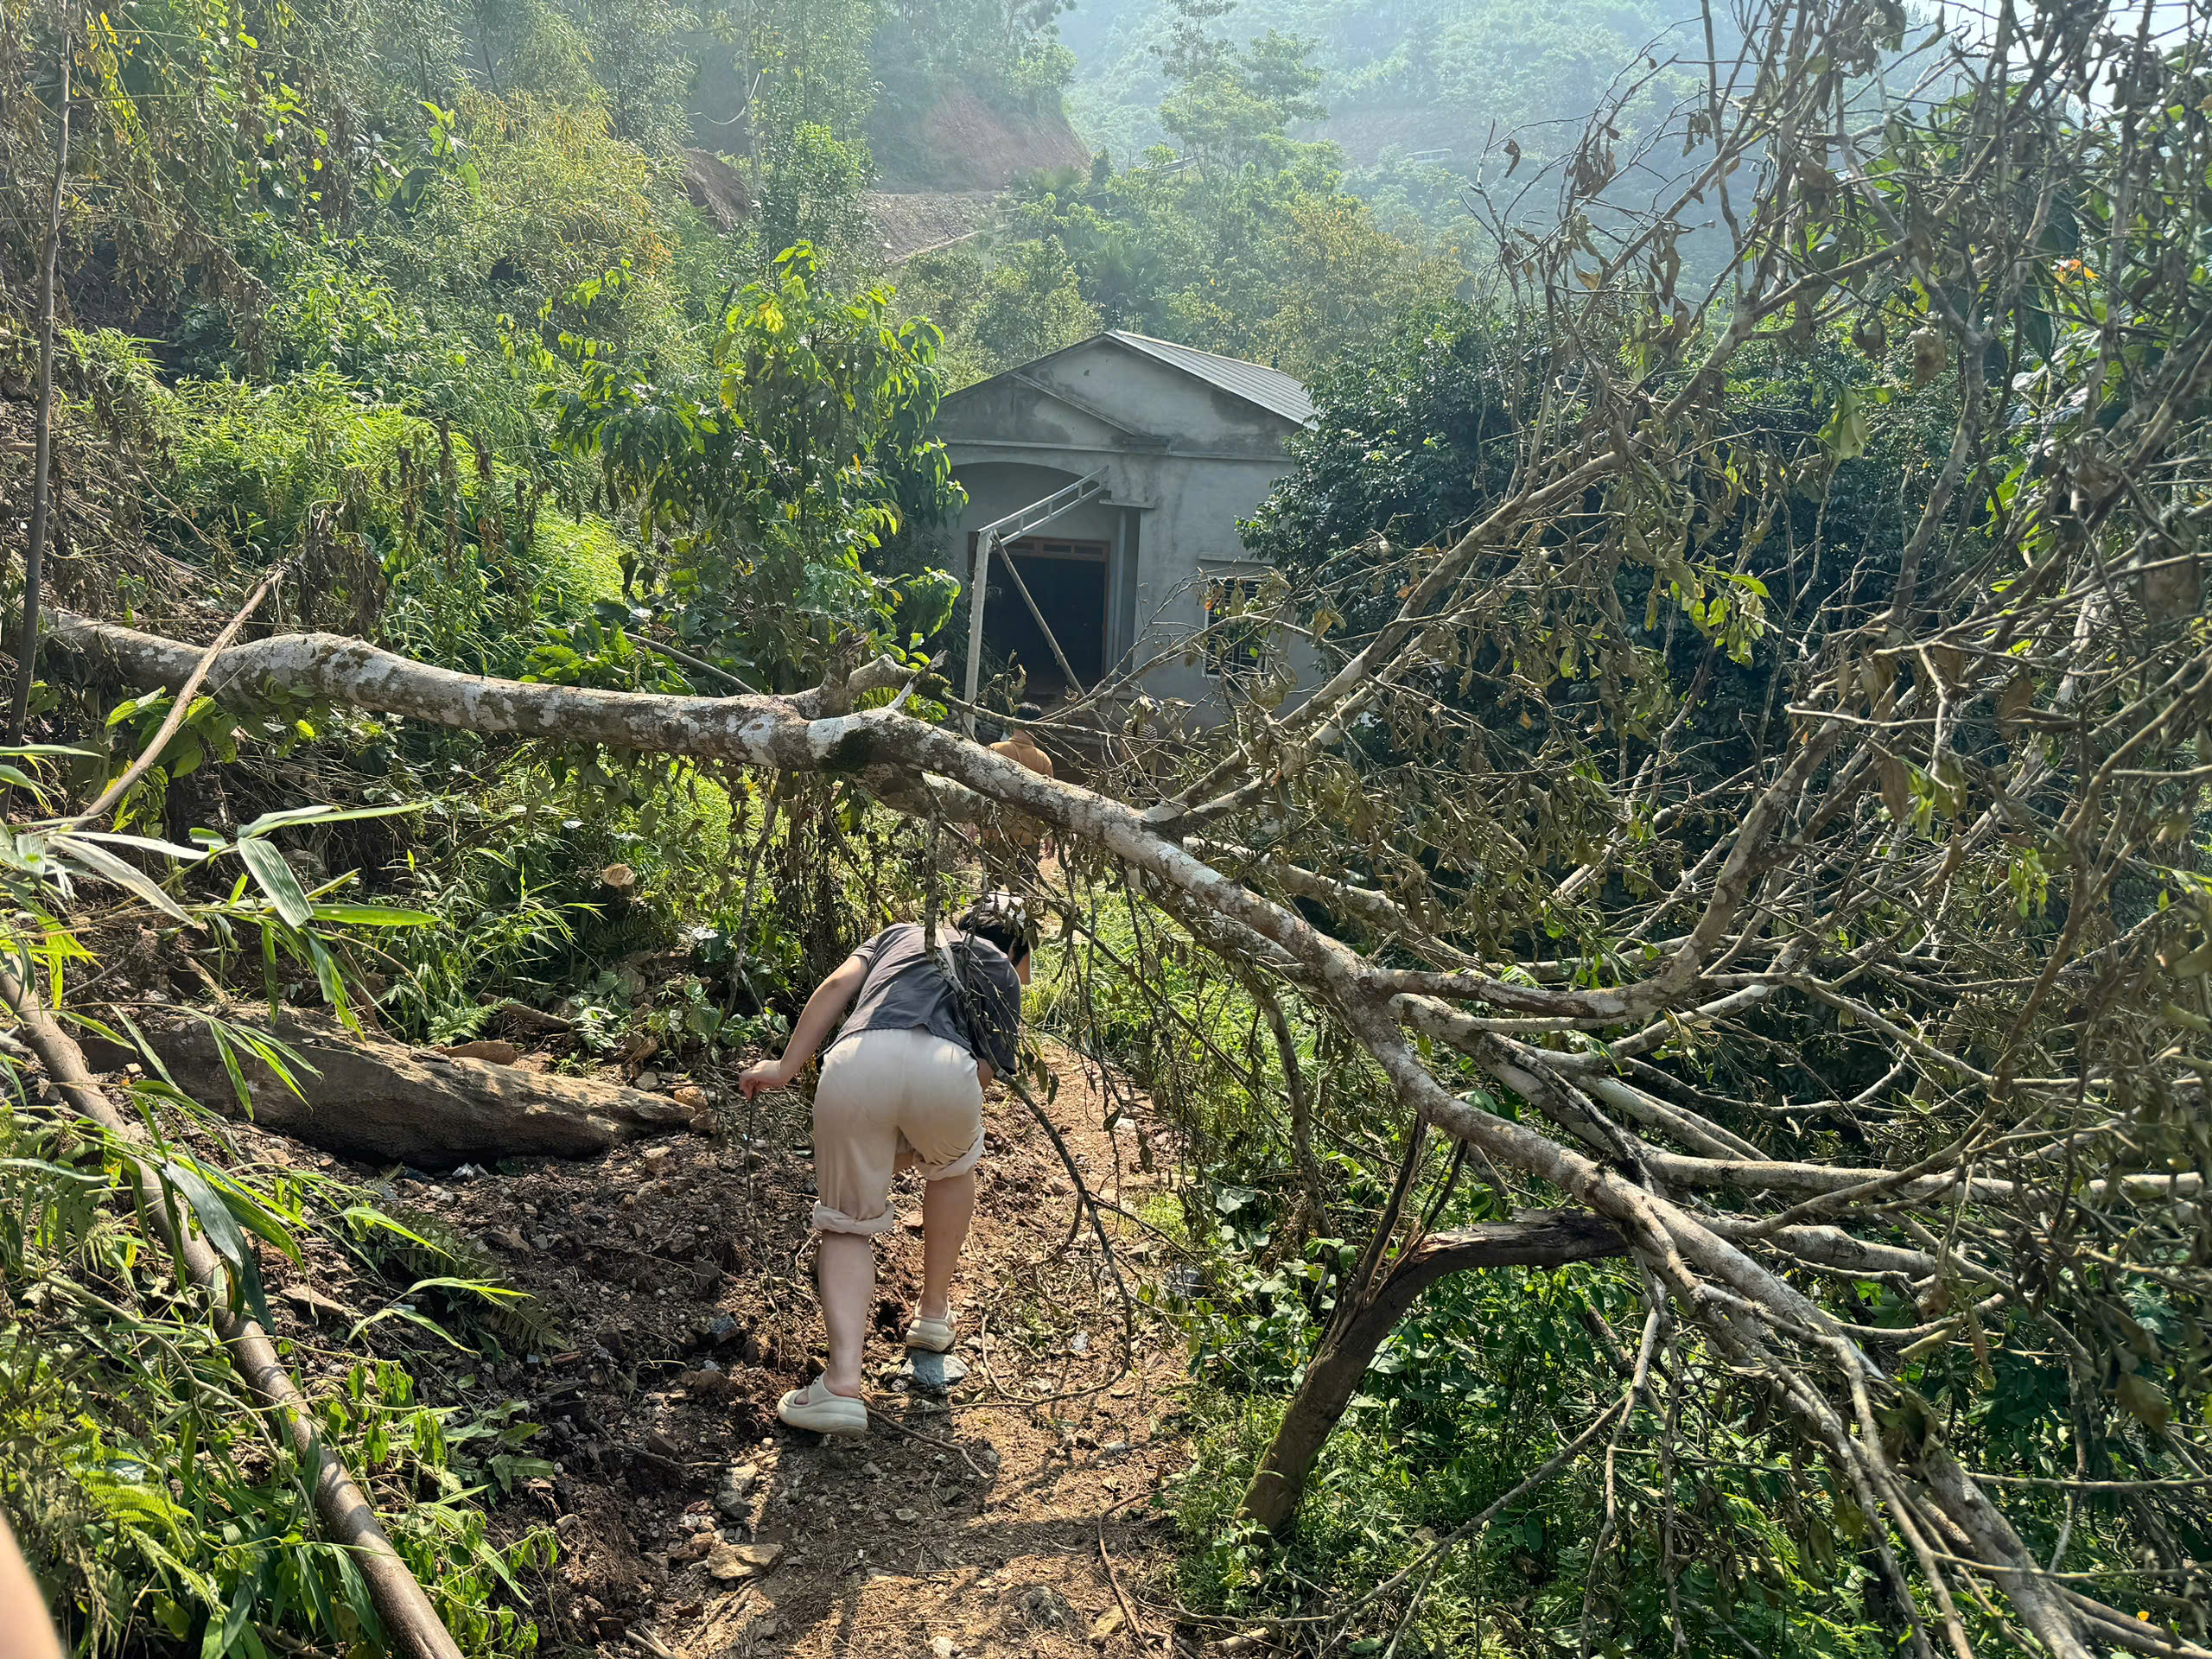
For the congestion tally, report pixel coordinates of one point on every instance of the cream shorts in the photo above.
(883, 1093)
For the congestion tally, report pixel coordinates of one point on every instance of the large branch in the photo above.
(894, 754)
(1547, 1238)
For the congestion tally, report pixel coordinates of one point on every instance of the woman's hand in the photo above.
(766, 1074)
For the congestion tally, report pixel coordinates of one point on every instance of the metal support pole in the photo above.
(979, 590)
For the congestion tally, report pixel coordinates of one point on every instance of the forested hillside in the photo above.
(1414, 95)
(1627, 1075)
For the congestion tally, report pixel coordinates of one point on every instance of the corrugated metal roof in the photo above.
(1271, 389)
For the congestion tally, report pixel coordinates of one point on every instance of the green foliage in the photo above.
(813, 182)
(403, 531)
(763, 486)
(1274, 264)
(1004, 49)
(1410, 444)
(159, 1508)
(998, 316)
(1434, 75)
(1228, 106)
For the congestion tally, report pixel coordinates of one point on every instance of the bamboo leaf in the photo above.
(275, 878)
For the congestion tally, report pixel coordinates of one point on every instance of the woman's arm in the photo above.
(830, 999)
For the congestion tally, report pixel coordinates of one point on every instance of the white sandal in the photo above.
(933, 1335)
(815, 1407)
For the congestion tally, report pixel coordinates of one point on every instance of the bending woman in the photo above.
(902, 1085)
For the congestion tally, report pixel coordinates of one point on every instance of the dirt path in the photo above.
(1003, 1519)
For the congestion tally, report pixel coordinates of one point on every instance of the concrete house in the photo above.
(1111, 475)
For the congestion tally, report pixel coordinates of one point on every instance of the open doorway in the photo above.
(1068, 580)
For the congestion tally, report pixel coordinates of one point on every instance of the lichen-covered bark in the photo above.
(376, 1100)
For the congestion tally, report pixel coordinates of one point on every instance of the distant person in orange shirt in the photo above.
(1013, 847)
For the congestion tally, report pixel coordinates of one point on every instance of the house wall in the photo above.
(1184, 461)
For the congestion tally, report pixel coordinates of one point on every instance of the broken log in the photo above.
(1535, 1238)
(386, 1104)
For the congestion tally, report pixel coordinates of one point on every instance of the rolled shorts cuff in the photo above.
(960, 1165)
(826, 1220)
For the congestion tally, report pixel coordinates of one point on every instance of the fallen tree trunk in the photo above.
(349, 1519)
(1547, 1238)
(382, 1102)
(1566, 1141)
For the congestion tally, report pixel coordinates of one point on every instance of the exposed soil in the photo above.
(1012, 1518)
(907, 222)
(965, 142)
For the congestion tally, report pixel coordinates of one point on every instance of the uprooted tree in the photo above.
(1807, 891)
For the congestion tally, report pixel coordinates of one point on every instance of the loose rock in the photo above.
(1046, 1605)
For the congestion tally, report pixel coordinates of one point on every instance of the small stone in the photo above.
(729, 1562)
(943, 1647)
(734, 1503)
(690, 1094)
(906, 1516)
(871, 1471)
(497, 1052)
(1079, 1343)
(740, 1478)
(911, 1220)
(314, 1302)
(933, 1373)
(1046, 1605)
(659, 1154)
(1106, 1624)
(648, 1080)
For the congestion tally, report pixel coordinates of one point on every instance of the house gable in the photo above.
(1014, 405)
(1106, 394)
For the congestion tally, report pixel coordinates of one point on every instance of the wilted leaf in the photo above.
(2145, 1400)
(1897, 787)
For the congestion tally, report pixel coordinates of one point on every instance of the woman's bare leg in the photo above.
(844, 1270)
(947, 1208)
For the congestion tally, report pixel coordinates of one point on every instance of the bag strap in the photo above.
(961, 994)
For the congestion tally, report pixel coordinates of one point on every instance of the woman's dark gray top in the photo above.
(907, 990)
